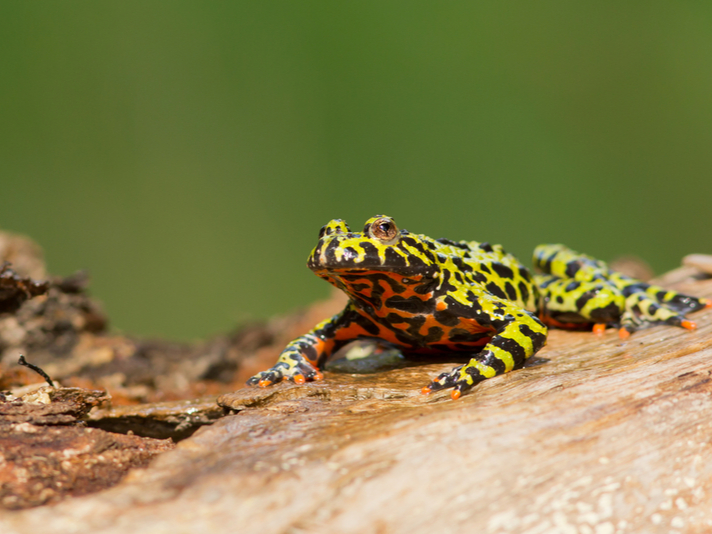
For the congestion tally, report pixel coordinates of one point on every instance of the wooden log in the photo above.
(596, 435)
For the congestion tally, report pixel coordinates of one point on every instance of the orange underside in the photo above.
(362, 288)
(567, 326)
(355, 331)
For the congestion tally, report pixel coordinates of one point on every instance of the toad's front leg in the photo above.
(302, 360)
(518, 336)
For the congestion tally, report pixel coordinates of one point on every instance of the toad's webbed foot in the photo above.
(458, 379)
(650, 305)
(291, 366)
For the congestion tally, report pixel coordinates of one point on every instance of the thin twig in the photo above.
(36, 369)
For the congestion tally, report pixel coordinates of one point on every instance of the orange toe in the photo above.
(264, 383)
(425, 390)
(318, 376)
(456, 394)
(299, 379)
(688, 324)
(623, 333)
(708, 303)
(599, 329)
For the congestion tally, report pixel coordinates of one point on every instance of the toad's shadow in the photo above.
(367, 357)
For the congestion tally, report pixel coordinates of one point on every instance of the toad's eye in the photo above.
(384, 229)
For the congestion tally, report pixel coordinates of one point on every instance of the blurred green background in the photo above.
(187, 153)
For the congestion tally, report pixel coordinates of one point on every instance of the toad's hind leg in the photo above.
(577, 290)
(647, 304)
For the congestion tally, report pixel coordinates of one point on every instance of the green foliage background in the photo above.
(187, 153)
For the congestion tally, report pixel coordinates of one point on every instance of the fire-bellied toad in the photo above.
(435, 296)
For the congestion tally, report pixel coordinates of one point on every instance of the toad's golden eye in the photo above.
(384, 229)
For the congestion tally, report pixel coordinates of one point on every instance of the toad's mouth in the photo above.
(398, 270)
